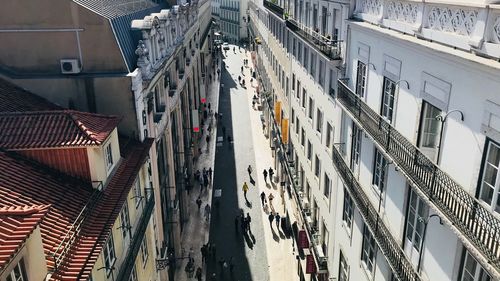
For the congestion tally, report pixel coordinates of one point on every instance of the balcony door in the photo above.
(430, 131)
(355, 148)
(416, 214)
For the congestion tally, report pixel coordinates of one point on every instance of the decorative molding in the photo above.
(371, 7)
(402, 11)
(455, 20)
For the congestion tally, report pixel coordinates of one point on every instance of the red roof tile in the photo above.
(50, 129)
(98, 226)
(16, 99)
(16, 225)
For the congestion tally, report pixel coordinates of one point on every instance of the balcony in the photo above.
(277, 10)
(466, 214)
(328, 47)
(394, 255)
(135, 244)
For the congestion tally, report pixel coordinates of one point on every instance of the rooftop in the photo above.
(16, 225)
(54, 129)
(16, 99)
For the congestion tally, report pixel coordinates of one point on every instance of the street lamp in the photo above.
(426, 222)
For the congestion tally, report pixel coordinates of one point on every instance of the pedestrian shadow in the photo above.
(275, 186)
(248, 240)
(275, 236)
(268, 185)
(282, 235)
(252, 181)
(248, 203)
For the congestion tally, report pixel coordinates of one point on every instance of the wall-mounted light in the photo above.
(406, 82)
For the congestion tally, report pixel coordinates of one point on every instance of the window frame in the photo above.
(479, 271)
(347, 210)
(388, 103)
(21, 271)
(108, 154)
(327, 185)
(109, 248)
(144, 251)
(361, 72)
(379, 170)
(369, 253)
(125, 219)
(495, 189)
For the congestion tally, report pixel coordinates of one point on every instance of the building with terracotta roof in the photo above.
(147, 61)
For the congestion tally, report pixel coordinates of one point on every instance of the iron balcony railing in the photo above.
(277, 10)
(138, 236)
(325, 45)
(393, 253)
(464, 211)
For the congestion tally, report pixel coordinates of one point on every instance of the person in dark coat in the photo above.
(278, 218)
(263, 197)
(271, 218)
(265, 175)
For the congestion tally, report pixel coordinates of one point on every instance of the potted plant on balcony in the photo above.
(285, 16)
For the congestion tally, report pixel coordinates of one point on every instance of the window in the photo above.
(125, 220)
(430, 130)
(109, 255)
(137, 192)
(343, 268)
(297, 125)
(379, 170)
(309, 150)
(311, 108)
(317, 166)
(416, 215)
(304, 98)
(293, 115)
(327, 184)
(472, 271)
(356, 146)
(298, 89)
(287, 86)
(490, 183)
(343, 133)
(293, 81)
(144, 250)
(331, 84)
(293, 48)
(109, 156)
(303, 138)
(18, 273)
(321, 76)
(388, 95)
(299, 50)
(319, 120)
(329, 136)
(368, 250)
(325, 236)
(348, 210)
(361, 79)
(305, 62)
(133, 274)
(313, 65)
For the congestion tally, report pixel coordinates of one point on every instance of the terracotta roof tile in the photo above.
(51, 129)
(16, 99)
(16, 225)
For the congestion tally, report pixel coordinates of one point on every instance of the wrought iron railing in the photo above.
(393, 253)
(464, 211)
(277, 10)
(68, 241)
(325, 45)
(135, 244)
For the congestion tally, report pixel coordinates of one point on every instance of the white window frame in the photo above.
(494, 189)
(347, 210)
(327, 185)
(417, 214)
(137, 192)
(355, 145)
(109, 255)
(317, 166)
(361, 79)
(18, 273)
(343, 268)
(388, 104)
(108, 154)
(310, 112)
(125, 220)
(319, 120)
(472, 269)
(368, 250)
(379, 170)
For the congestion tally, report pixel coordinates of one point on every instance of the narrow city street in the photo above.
(262, 253)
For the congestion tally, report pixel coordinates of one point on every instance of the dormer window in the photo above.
(109, 156)
(18, 273)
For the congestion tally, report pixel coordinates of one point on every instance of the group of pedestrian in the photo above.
(243, 222)
(208, 250)
(274, 217)
(205, 178)
(270, 173)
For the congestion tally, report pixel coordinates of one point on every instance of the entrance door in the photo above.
(416, 214)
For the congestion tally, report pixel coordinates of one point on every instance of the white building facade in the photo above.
(391, 109)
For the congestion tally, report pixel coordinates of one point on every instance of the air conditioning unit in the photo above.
(70, 66)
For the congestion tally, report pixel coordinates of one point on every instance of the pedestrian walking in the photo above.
(209, 106)
(271, 218)
(249, 169)
(270, 197)
(239, 79)
(198, 202)
(265, 175)
(277, 218)
(207, 138)
(204, 252)
(242, 69)
(207, 212)
(271, 173)
(263, 198)
(210, 174)
(206, 183)
(245, 189)
(243, 224)
(198, 274)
